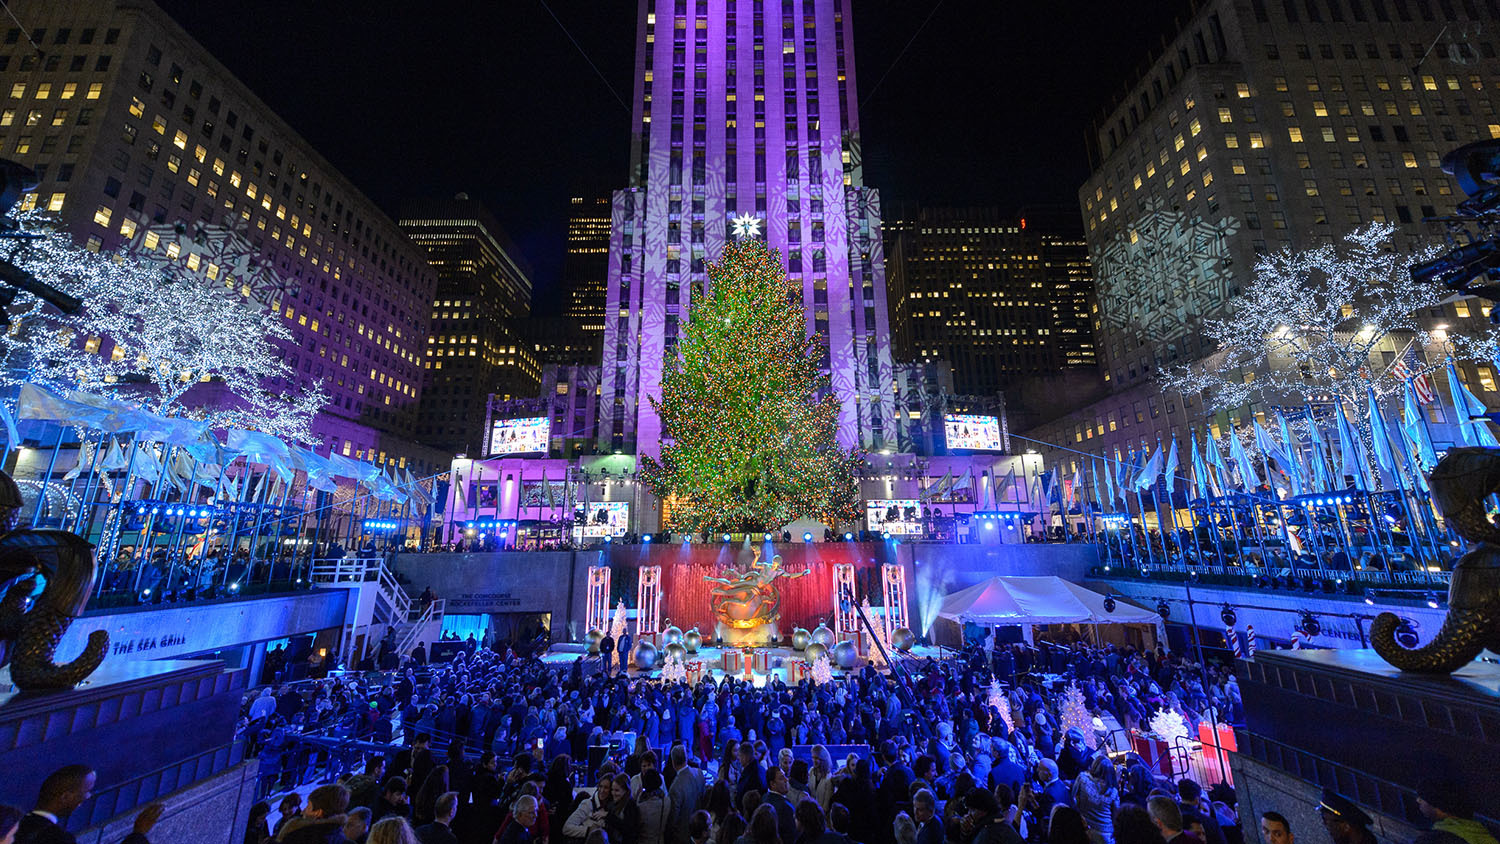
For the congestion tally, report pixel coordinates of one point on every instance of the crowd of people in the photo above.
(572, 756)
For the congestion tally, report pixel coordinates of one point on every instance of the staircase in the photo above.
(378, 604)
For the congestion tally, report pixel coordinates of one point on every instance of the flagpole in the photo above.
(1396, 473)
(88, 490)
(111, 543)
(41, 496)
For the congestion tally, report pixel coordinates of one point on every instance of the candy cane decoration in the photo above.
(1250, 640)
(1296, 641)
(1234, 642)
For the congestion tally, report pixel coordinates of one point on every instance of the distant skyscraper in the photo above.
(996, 299)
(585, 272)
(144, 142)
(474, 350)
(722, 131)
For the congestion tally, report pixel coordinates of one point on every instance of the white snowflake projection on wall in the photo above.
(215, 252)
(1168, 269)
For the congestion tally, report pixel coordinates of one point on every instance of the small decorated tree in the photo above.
(748, 422)
(673, 670)
(1168, 725)
(822, 670)
(998, 701)
(1075, 714)
(617, 624)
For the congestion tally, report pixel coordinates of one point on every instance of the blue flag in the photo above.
(1216, 459)
(1294, 456)
(1474, 431)
(1379, 435)
(1200, 469)
(1248, 479)
(1417, 435)
(1352, 460)
(1321, 481)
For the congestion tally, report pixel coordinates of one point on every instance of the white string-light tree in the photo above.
(1310, 326)
(152, 334)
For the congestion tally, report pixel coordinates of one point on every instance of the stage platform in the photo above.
(778, 661)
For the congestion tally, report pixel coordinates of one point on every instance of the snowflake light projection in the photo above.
(1166, 271)
(219, 253)
(746, 226)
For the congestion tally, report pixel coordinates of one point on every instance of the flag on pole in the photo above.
(1294, 456)
(1150, 470)
(1076, 490)
(1405, 369)
(1200, 469)
(1248, 479)
(1216, 460)
(1094, 483)
(1474, 430)
(1005, 485)
(1352, 459)
(1169, 471)
(1321, 481)
(1379, 435)
(1418, 438)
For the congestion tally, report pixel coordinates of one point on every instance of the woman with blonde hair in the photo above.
(392, 830)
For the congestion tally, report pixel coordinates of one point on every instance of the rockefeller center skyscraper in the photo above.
(745, 125)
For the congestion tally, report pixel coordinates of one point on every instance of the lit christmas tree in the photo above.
(617, 624)
(673, 670)
(822, 670)
(748, 422)
(1075, 715)
(1168, 725)
(998, 701)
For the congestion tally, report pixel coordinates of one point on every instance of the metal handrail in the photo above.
(432, 612)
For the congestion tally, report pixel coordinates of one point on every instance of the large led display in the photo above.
(965, 431)
(519, 436)
(602, 518)
(896, 516)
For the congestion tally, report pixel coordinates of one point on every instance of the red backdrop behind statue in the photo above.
(805, 601)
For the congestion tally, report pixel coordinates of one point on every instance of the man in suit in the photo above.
(686, 793)
(776, 798)
(438, 832)
(1167, 816)
(62, 792)
(751, 776)
(924, 812)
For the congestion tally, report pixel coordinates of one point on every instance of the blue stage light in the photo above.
(807, 537)
(726, 537)
(848, 537)
(989, 525)
(646, 539)
(767, 536)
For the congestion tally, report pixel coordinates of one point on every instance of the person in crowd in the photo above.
(393, 801)
(357, 824)
(10, 821)
(321, 821)
(1198, 813)
(1050, 789)
(1276, 829)
(364, 789)
(424, 807)
(1345, 822)
(623, 821)
(62, 792)
(1167, 815)
(1133, 825)
(607, 653)
(904, 829)
(523, 819)
(699, 828)
(762, 829)
(257, 830)
(1096, 796)
(857, 795)
(1066, 826)
(392, 830)
(686, 794)
(1444, 802)
(924, 815)
(985, 820)
(289, 807)
(778, 788)
(655, 808)
(440, 830)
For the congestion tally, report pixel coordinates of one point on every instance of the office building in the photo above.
(723, 130)
(1265, 126)
(585, 272)
(476, 348)
(144, 142)
(995, 299)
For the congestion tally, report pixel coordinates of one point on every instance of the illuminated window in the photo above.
(1237, 166)
(1486, 378)
(1226, 115)
(1320, 108)
(1461, 308)
(137, 108)
(1242, 89)
(1255, 141)
(159, 123)
(1295, 134)
(150, 240)
(101, 215)
(68, 91)
(95, 89)
(1409, 159)
(55, 203)
(17, 90)
(127, 227)
(180, 139)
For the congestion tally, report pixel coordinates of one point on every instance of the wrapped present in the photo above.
(797, 670)
(1154, 752)
(694, 671)
(734, 661)
(761, 661)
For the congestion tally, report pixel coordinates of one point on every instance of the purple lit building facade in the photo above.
(745, 107)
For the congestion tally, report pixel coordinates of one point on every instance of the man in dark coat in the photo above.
(439, 831)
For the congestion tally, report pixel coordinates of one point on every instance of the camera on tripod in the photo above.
(1467, 266)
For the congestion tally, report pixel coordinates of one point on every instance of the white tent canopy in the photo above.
(1037, 600)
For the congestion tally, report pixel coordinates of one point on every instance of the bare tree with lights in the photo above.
(1310, 323)
(169, 330)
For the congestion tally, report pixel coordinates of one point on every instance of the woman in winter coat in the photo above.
(1096, 796)
(655, 809)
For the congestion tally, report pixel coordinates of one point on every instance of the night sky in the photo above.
(990, 104)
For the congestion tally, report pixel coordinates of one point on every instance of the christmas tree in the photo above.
(617, 624)
(1075, 715)
(748, 422)
(1169, 726)
(997, 700)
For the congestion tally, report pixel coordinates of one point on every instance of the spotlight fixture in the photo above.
(645, 539)
(1228, 615)
(1109, 603)
(1432, 600)
(767, 537)
(848, 537)
(1406, 633)
(1310, 624)
(1163, 609)
(1370, 597)
(726, 537)
(807, 537)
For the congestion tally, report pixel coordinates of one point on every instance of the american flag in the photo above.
(1421, 384)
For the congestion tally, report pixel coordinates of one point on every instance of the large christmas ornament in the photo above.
(675, 649)
(845, 654)
(823, 636)
(815, 650)
(644, 656)
(902, 639)
(801, 638)
(692, 640)
(671, 635)
(594, 637)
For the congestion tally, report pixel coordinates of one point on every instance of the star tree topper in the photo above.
(746, 225)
